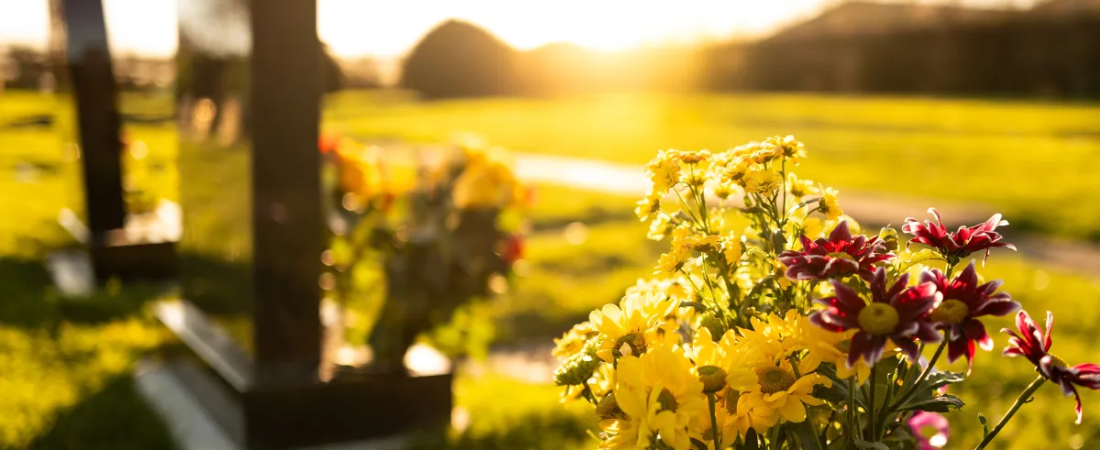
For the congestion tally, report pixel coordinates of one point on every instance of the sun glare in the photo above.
(372, 28)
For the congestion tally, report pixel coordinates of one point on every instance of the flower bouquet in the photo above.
(437, 229)
(774, 323)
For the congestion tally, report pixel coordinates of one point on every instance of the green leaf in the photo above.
(918, 258)
(985, 424)
(751, 441)
(927, 398)
(872, 445)
(939, 404)
(807, 436)
(838, 393)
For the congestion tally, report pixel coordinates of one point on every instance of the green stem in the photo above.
(684, 205)
(871, 406)
(1020, 401)
(912, 389)
(713, 420)
(852, 432)
(591, 397)
(773, 440)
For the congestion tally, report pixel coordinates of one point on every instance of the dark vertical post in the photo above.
(93, 82)
(287, 217)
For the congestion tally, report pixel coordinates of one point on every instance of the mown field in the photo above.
(1034, 161)
(65, 363)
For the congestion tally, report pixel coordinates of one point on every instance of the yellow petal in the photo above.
(793, 411)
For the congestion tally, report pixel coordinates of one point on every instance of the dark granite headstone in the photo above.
(249, 91)
(114, 252)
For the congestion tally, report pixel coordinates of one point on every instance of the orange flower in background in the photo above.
(360, 172)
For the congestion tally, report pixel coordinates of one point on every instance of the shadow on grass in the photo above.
(83, 338)
(32, 302)
(115, 418)
(557, 431)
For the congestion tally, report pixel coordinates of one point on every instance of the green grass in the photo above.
(1031, 160)
(509, 414)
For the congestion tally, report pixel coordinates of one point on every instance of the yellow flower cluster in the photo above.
(717, 347)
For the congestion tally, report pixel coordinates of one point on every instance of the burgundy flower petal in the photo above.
(909, 348)
(1050, 325)
(841, 233)
(997, 308)
(867, 346)
(848, 297)
(975, 331)
(959, 348)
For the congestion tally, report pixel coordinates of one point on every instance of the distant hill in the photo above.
(859, 18)
(1064, 8)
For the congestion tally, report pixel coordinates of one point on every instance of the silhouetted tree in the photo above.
(457, 59)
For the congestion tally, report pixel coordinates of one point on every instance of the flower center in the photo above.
(732, 397)
(667, 400)
(840, 255)
(878, 319)
(713, 378)
(629, 344)
(774, 379)
(844, 346)
(951, 311)
(608, 408)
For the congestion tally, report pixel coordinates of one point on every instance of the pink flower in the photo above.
(963, 302)
(923, 421)
(961, 243)
(898, 314)
(1034, 345)
(839, 256)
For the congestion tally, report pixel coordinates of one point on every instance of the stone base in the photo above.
(115, 256)
(294, 413)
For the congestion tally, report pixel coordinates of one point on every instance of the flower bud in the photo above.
(714, 325)
(890, 237)
(577, 369)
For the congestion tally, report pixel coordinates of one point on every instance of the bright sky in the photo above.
(391, 27)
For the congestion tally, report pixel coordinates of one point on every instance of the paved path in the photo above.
(867, 208)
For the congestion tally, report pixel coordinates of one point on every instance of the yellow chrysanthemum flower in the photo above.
(659, 228)
(813, 228)
(829, 205)
(777, 338)
(732, 248)
(735, 169)
(632, 327)
(729, 358)
(760, 180)
(825, 346)
(788, 147)
(648, 206)
(664, 171)
(671, 262)
(659, 392)
(702, 244)
(572, 342)
(798, 187)
(779, 394)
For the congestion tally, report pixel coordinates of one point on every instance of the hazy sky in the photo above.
(390, 27)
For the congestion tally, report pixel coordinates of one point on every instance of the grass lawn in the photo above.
(1032, 160)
